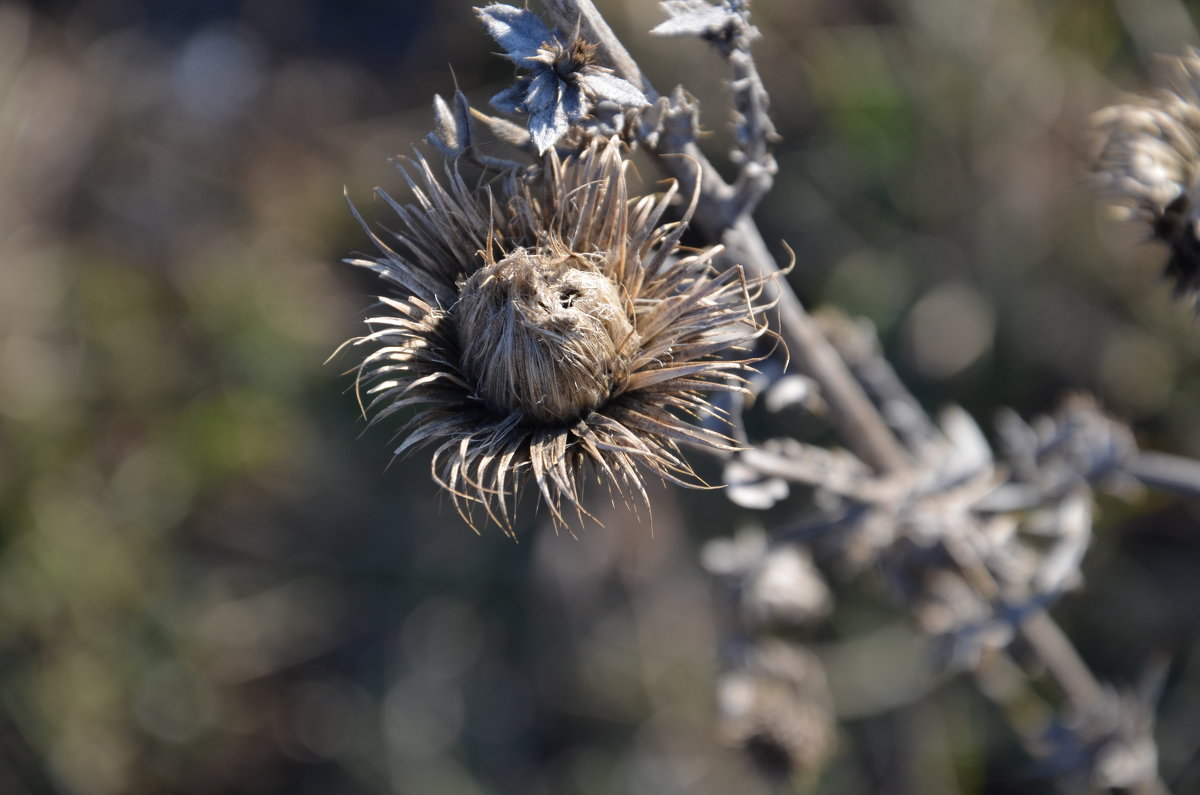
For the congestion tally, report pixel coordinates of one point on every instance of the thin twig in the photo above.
(859, 422)
(1063, 664)
(857, 343)
(1167, 472)
(819, 468)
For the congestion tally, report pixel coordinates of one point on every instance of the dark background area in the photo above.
(211, 581)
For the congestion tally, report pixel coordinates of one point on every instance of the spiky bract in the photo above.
(549, 326)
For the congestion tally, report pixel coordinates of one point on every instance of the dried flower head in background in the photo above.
(773, 702)
(1147, 160)
(548, 324)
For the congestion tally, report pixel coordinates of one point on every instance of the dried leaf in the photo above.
(603, 85)
(517, 30)
(511, 99)
(547, 119)
(694, 18)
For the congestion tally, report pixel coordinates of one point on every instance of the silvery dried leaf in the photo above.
(518, 30)
(573, 102)
(603, 85)
(695, 18)
(548, 120)
(512, 99)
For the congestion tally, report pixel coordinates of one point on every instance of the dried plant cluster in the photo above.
(547, 324)
(1147, 160)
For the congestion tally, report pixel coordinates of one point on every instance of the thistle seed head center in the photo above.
(546, 335)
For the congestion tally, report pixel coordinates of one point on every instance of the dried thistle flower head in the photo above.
(546, 326)
(1147, 159)
(564, 82)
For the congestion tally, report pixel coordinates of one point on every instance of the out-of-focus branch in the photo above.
(1167, 472)
(857, 343)
(1052, 649)
(817, 467)
(857, 420)
(931, 504)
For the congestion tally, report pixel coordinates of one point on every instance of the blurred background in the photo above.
(212, 582)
